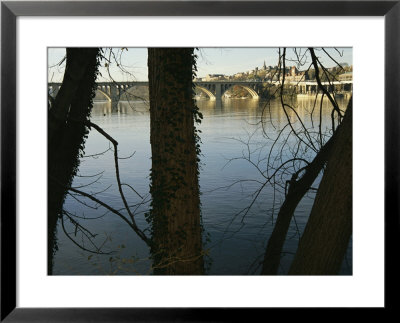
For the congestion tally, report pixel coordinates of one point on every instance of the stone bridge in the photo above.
(215, 90)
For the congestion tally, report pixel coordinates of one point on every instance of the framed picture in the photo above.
(293, 69)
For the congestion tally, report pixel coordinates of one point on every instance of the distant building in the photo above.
(299, 77)
(214, 77)
(294, 75)
(293, 71)
(348, 76)
(238, 75)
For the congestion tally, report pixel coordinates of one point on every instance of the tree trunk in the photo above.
(81, 65)
(175, 213)
(296, 192)
(66, 134)
(326, 237)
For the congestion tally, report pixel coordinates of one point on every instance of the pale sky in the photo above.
(224, 60)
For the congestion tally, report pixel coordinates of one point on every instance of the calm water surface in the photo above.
(230, 130)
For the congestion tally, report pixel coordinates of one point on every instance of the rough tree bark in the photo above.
(175, 212)
(326, 237)
(296, 192)
(66, 135)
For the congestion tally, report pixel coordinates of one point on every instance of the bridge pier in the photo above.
(114, 106)
(218, 92)
(114, 95)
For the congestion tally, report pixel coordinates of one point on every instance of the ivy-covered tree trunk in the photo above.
(67, 131)
(326, 237)
(175, 212)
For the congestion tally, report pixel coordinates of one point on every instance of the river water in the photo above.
(234, 236)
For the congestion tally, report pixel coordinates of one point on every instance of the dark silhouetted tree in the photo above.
(67, 130)
(305, 171)
(326, 237)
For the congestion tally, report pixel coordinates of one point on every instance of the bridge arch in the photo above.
(206, 91)
(251, 91)
(105, 94)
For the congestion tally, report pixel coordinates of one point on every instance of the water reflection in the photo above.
(237, 243)
(227, 106)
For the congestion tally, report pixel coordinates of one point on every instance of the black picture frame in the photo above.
(10, 10)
